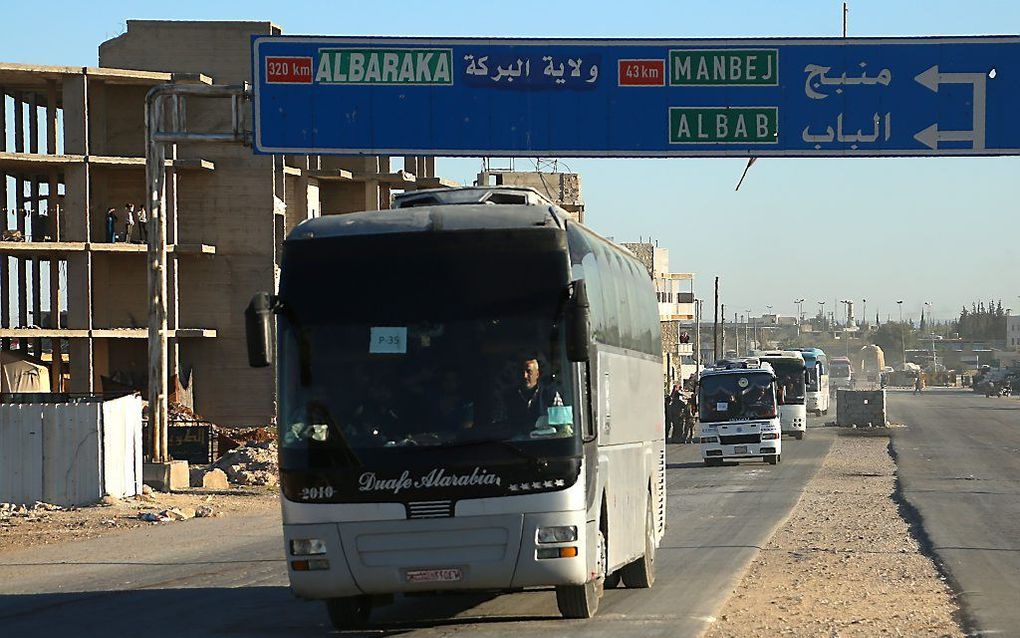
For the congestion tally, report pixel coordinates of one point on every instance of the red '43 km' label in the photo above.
(288, 70)
(642, 72)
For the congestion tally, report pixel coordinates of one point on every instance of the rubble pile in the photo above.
(33, 512)
(177, 514)
(252, 464)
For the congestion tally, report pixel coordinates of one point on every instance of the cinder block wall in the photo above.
(861, 408)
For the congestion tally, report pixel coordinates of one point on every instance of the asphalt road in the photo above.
(959, 466)
(226, 576)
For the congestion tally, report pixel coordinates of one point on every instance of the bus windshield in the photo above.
(790, 380)
(839, 370)
(733, 397)
(378, 364)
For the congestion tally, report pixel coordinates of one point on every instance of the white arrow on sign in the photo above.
(931, 136)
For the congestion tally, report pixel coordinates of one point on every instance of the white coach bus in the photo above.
(791, 389)
(737, 413)
(817, 380)
(468, 400)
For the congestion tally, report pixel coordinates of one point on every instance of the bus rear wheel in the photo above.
(772, 459)
(640, 574)
(798, 435)
(350, 612)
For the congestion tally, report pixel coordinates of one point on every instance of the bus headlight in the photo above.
(307, 546)
(563, 534)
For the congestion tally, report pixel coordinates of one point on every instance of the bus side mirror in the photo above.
(578, 322)
(259, 330)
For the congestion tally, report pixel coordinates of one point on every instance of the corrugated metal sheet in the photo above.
(122, 446)
(21, 442)
(70, 453)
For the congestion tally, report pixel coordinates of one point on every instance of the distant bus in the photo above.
(817, 380)
(737, 413)
(841, 374)
(469, 400)
(791, 381)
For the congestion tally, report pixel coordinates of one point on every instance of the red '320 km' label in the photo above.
(288, 70)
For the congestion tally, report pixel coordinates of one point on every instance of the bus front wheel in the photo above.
(350, 612)
(582, 601)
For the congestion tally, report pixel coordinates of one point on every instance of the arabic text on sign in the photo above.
(524, 70)
(817, 79)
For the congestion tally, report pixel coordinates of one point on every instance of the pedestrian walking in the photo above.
(111, 225)
(143, 224)
(129, 222)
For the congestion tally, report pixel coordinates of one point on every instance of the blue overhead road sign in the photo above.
(637, 98)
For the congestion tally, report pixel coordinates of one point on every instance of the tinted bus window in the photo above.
(611, 296)
(582, 252)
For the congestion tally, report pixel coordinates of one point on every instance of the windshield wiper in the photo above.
(507, 445)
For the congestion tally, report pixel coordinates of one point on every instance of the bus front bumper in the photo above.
(743, 451)
(493, 552)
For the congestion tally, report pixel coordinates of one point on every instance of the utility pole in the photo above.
(715, 324)
(698, 303)
(722, 329)
(736, 333)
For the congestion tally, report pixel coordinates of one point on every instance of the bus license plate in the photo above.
(740, 449)
(433, 575)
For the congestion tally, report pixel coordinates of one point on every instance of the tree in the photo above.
(982, 322)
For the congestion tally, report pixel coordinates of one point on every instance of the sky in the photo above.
(943, 231)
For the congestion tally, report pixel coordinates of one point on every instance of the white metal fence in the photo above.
(70, 451)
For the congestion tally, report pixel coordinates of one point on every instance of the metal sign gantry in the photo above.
(822, 97)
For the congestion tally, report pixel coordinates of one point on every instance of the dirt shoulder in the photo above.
(27, 527)
(844, 563)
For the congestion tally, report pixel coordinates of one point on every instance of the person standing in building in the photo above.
(143, 224)
(129, 222)
(111, 225)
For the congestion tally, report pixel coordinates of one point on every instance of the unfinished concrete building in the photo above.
(228, 212)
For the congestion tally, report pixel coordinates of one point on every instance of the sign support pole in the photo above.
(158, 134)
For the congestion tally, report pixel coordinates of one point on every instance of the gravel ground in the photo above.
(36, 526)
(844, 563)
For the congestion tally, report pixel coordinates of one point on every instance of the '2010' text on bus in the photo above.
(468, 400)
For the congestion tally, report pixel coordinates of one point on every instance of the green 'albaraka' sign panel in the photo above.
(385, 66)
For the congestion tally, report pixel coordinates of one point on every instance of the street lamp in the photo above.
(903, 337)
(800, 313)
(864, 313)
(931, 325)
